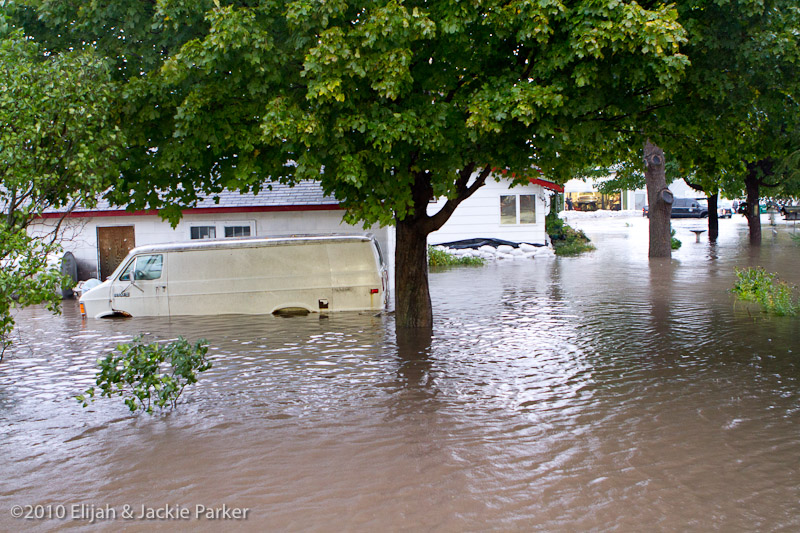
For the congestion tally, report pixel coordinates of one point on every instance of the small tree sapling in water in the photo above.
(149, 375)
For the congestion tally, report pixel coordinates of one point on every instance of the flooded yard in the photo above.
(603, 392)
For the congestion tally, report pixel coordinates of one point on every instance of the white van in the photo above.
(244, 276)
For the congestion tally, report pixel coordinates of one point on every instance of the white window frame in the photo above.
(220, 225)
(206, 225)
(225, 228)
(518, 211)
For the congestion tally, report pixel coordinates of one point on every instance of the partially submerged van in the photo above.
(258, 275)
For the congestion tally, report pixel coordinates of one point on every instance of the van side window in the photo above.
(126, 274)
(143, 267)
(148, 267)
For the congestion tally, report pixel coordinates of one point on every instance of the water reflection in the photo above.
(414, 357)
(599, 392)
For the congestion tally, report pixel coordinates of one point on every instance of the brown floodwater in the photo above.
(604, 392)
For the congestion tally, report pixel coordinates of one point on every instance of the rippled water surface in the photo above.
(601, 392)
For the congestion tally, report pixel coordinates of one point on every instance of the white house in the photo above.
(100, 238)
(499, 211)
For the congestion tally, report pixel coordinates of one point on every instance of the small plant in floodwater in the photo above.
(758, 285)
(149, 375)
(674, 243)
(437, 257)
(566, 240)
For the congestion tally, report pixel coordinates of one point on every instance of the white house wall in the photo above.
(479, 216)
(80, 234)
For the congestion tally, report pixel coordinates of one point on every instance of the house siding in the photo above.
(479, 216)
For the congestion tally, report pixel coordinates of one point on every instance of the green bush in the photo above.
(758, 285)
(149, 375)
(438, 258)
(674, 243)
(566, 240)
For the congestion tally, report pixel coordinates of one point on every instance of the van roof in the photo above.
(247, 242)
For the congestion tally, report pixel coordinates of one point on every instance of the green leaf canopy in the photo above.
(366, 96)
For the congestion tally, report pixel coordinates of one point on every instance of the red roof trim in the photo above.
(200, 210)
(547, 184)
(536, 181)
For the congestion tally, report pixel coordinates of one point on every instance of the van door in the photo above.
(141, 287)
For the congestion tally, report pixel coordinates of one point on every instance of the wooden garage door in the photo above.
(113, 244)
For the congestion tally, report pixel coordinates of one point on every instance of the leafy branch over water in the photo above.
(149, 375)
(758, 285)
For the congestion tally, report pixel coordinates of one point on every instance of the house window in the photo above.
(237, 231)
(508, 209)
(527, 209)
(514, 211)
(204, 232)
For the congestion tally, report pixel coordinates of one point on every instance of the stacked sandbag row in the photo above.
(502, 253)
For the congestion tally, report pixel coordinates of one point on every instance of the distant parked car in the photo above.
(725, 209)
(684, 208)
(689, 208)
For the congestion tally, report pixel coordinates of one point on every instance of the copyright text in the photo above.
(92, 513)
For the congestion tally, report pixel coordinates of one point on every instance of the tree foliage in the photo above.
(149, 375)
(388, 103)
(58, 147)
(736, 109)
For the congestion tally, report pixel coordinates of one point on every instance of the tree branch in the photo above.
(438, 220)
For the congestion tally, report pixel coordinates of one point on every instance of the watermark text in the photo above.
(92, 513)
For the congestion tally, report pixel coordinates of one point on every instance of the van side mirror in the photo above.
(125, 277)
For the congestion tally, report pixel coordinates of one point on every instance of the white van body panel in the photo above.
(244, 276)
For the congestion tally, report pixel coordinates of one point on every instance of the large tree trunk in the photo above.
(751, 186)
(713, 217)
(411, 290)
(659, 199)
(412, 293)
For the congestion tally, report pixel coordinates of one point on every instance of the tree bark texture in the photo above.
(659, 199)
(713, 217)
(751, 186)
(411, 289)
(412, 293)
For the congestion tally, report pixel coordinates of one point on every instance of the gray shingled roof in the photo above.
(302, 194)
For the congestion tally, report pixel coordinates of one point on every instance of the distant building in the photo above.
(101, 237)
(585, 196)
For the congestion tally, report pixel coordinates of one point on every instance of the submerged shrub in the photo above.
(758, 285)
(149, 375)
(437, 257)
(566, 240)
(674, 243)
